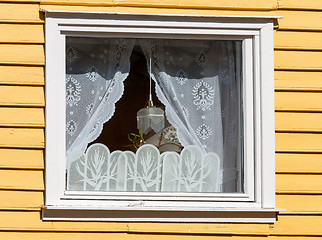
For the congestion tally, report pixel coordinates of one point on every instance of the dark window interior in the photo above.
(136, 91)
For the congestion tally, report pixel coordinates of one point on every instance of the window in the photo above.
(197, 84)
(205, 144)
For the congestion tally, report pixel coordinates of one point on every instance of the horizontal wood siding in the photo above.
(193, 4)
(22, 158)
(22, 75)
(113, 236)
(298, 80)
(298, 84)
(20, 54)
(21, 33)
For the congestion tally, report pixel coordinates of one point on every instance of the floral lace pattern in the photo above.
(89, 109)
(92, 74)
(181, 77)
(204, 131)
(95, 72)
(201, 58)
(73, 91)
(203, 95)
(71, 127)
(185, 111)
(71, 54)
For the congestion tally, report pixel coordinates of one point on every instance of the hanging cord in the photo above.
(150, 101)
(150, 95)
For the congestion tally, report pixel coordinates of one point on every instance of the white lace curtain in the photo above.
(195, 80)
(95, 71)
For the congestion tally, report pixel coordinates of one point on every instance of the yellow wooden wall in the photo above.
(298, 82)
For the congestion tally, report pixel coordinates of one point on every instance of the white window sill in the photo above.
(137, 214)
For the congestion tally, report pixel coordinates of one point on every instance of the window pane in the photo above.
(190, 139)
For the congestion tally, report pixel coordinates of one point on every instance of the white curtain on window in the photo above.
(197, 83)
(95, 71)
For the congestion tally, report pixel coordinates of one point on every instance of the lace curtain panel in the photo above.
(144, 171)
(95, 71)
(197, 81)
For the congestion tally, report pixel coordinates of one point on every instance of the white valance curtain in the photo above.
(195, 80)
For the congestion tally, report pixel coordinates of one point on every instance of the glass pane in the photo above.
(189, 138)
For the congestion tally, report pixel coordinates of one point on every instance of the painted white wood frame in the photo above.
(256, 204)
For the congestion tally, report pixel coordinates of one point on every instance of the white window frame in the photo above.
(257, 204)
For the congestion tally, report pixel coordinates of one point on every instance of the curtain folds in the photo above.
(197, 81)
(95, 71)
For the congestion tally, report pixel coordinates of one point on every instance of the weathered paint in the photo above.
(298, 81)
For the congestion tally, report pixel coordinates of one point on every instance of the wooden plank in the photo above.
(308, 204)
(29, 54)
(300, 4)
(286, 224)
(298, 142)
(298, 101)
(297, 60)
(115, 236)
(21, 158)
(299, 122)
(63, 236)
(195, 228)
(22, 138)
(161, 9)
(292, 40)
(22, 33)
(22, 117)
(298, 163)
(300, 20)
(297, 225)
(20, 1)
(192, 237)
(31, 221)
(299, 183)
(21, 179)
(21, 11)
(294, 238)
(288, 80)
(22, 96)
(21, 200)
(292, 225)
(207, 4)
(32, 75)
